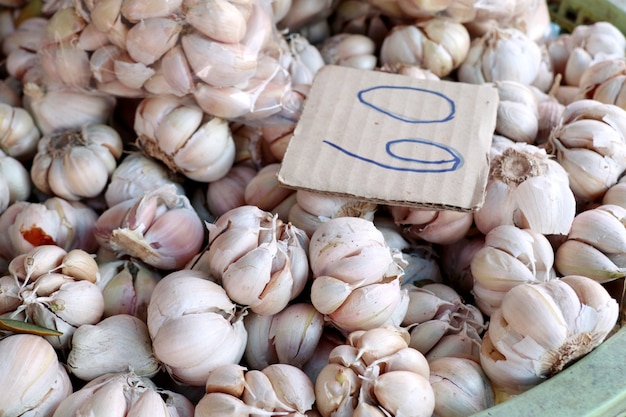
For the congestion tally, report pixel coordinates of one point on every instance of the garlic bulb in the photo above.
(260, 261)
(461, 387)
(59, 108)
(76, 164)
(124, 394)
(54, 289)
(501, 54)
(161, 228)
(354, 16)
(540, 328)
(349, 50)
(126, 286)
(116, 344)
(290, 336)
(376, 371)
(526, 188)
(228, 192)
(134, 176)
(590, 144)
(437, 44)
(68, 224)
(264, 190)
(440, 324)
(596, 245)
(178, 133)
(412, 70)
(278, 389)
(603, 81)
(18, 133)
(39, 383)
(21, 49)
(312, 209)
(356, 276)
(435, 226)
(301, 59)
(194, 326)
(549, 111)
(511, 256)
(571, 54)
(518, 113)
(14, 181)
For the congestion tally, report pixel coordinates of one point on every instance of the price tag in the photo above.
(393, 139)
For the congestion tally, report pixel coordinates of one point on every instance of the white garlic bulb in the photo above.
(194, 326)
(14, 181)
(437, 44)
(501, 54)
(39, 383)
(526, 188)
(518, 113)
(311, 209)
(161, 228)
(290, 336)
(540, 328)
(135, 175)
(123, 394)
(260, 261)
(511, 256)
(376, 371)
(76, 164)
(596, 245)
(54, 289)
(349, 50)
(116, 344)
(590, 144)
(356, 276)
(18, 133)
(435, 226)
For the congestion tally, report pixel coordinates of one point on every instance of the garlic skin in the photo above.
(116, 344)
(290, 336)
(437, 44)
(511, 256)
(349, 50)
(596, 245)
(435, 226)
(68, 224)
(603, 82)
(590, 144)
(39, 383)
(526, 188)
(54, 289)
(134, 176)
(278, 389)
(18, 133)
(540, 328)
(122, 394)
(375, 370)
(76, 164)
(356, 276)
(312, 209)
(196, 336)
(260, 261)
(461, 387)
(161, 228)
(501, 54)
(126, 286)
(571, 54)
(178, 133)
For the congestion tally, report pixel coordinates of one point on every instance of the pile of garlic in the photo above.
(152, 264)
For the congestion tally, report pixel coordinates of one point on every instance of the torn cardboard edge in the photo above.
(393, 139)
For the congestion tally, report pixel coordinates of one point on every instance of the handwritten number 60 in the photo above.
(452, 160)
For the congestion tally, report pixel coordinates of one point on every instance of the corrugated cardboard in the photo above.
(393, 139)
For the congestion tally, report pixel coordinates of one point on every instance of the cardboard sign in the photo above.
(393, 139)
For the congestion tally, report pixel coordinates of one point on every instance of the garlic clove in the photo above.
(151, 39)
(329, 293)
(335, 387)
(578, 258)
(404, 393)
(296, 331)
(149, 403)
(227, 379)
